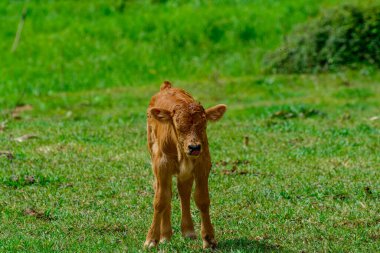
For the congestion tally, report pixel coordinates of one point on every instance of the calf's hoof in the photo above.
(209, 242)
(166, 236)
(150, 244)
(164, 239)
(190, 234)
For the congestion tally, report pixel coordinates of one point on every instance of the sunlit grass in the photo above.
(308, 182)
(76, 45)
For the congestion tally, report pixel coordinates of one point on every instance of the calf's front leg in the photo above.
(202, 201)
(161, 206)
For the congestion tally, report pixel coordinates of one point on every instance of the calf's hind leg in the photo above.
(202, 200)
(184, 190)
(166, 226)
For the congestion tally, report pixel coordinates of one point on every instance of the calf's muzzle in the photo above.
(194, 150)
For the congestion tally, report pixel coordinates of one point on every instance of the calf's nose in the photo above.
(195, 147)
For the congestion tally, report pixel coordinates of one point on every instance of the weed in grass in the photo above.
(18, 181)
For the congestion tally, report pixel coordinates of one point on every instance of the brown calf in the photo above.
(178, 145)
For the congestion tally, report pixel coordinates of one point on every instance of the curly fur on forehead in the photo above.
(195, 108)
(189, 113)
(186, 108)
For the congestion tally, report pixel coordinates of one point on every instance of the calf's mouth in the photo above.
(194, 153)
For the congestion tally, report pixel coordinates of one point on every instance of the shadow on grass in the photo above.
(248, 245)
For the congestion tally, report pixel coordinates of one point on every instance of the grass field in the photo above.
(307, 180)
(76, 45)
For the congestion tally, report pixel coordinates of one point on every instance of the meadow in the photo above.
(295, 159)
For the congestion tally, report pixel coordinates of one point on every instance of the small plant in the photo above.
(343, 36)
(26, 180)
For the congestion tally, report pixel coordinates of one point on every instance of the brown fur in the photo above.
(176, 126)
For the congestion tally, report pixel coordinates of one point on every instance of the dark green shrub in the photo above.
(341, 36)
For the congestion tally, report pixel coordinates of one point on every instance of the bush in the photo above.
(338, 37)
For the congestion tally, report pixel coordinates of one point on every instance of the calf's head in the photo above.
(189, 122)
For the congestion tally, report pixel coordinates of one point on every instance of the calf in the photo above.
(178, 145)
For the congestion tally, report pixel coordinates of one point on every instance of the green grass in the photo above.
(304, 183)
(308, 180)
(75, 45)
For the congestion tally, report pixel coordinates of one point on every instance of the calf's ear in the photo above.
(160, 114)
(216, 112)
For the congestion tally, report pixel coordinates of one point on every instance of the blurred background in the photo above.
(76, 45)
